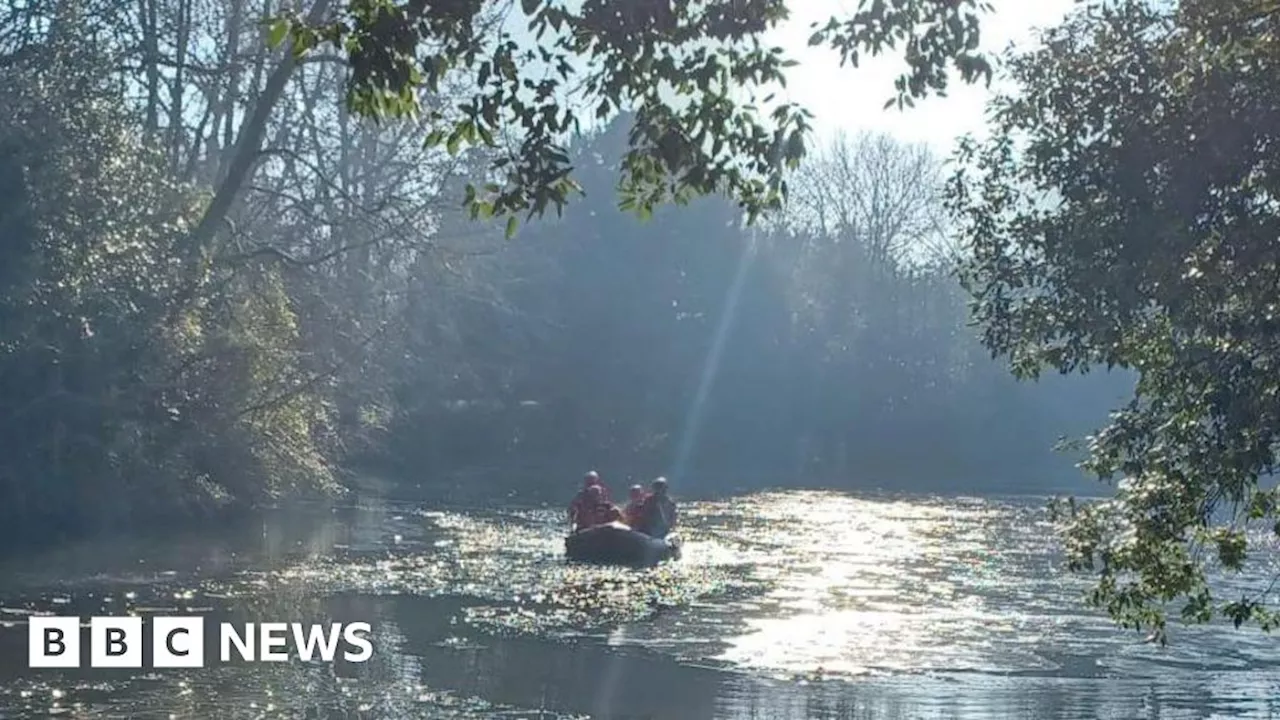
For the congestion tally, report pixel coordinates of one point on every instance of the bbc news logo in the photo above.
(179, 642)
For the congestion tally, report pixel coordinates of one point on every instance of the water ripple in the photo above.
(850, 602)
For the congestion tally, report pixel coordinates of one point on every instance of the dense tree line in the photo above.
(148, 373)
(831, 346)
(350, 312)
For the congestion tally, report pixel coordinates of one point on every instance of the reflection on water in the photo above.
(786, 605)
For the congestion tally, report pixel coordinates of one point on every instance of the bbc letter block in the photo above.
(177, 642)
(53, 642)
(115, 642)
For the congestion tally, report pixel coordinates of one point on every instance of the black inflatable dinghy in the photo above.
(618, 544)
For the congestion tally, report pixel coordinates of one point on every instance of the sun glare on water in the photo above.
(859, 586)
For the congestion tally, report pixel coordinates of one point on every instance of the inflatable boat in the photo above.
(617, 544)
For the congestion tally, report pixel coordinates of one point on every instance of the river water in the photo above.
(786, 605)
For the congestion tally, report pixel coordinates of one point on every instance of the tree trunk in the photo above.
(151, 58)
(248, 146)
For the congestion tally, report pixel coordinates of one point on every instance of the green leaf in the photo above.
(512, 224)
(276, 32)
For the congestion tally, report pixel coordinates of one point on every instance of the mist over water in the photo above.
(786, 604)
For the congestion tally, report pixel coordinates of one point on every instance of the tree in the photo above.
(1124, 214)
(128, 398)
(681, 68)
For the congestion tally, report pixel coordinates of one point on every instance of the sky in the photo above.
(851, 99)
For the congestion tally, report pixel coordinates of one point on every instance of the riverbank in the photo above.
(467, 489)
